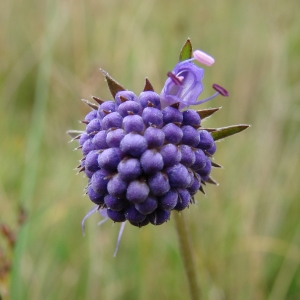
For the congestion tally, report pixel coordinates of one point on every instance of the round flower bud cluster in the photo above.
(144, 160)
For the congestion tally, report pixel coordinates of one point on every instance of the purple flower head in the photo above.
(184, 85)
(144, 156)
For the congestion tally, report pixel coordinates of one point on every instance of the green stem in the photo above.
(187, 255)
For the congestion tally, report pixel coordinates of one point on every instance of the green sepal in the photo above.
(113, 85)
(224, 132)
(186, 51)
(205, 113)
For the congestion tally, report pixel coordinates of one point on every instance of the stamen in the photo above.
(94, 209)
(220, 90)
(103, 221)
(175, 79)
(119, 238)
(205, 100)
(203, 58)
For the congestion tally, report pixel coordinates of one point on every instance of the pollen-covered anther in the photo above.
(203, 58)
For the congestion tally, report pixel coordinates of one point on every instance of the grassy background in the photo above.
(245, 233)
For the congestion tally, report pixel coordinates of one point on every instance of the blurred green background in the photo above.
(245, 232)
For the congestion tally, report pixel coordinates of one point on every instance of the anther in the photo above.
(220, 90)
(175, 79)
(203, 58)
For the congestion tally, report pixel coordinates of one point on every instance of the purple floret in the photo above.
(212, 149)
(129, 168)
(129, 108)
(152, 161)
(171, 155)
(117, 186)
(155, 137)
(173, 133)
(133, 215)
(184, 199)
(95, 197)
(195, 186)
(133, 144)
(159, 217)
(112, 120)
(172, 115)
(190, 136)
(206, 141)
(148, 206)
(93, 126)
(126, 95)
(133, 123)
(116, 216)
(99, 140)
(83, 138)
(114, 137)
(204, 172)
(149, 98)
(90, 116)
(187, 155)
(152, 116)
(106, 107)
(200, 160)
(110, 158)
(99, 181)
(114, 203)
(191, 117)
(91, 161)
(137, 191)
(87, 147)
(169, 200)
(159, 184)
(179, 176)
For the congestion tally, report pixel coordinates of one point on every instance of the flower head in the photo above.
(145, 156)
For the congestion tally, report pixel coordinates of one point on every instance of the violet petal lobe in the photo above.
(190, 88)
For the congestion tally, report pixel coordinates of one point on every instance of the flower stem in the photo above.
(187, 255)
